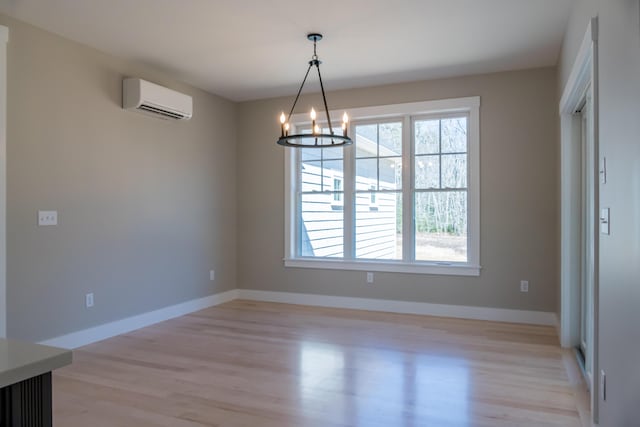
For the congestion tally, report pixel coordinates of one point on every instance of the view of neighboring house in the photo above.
(440, 170)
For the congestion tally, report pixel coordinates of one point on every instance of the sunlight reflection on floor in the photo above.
(387, 386)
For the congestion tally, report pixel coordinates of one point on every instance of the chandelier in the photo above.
(317, 137)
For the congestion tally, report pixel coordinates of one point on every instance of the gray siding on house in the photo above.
(322, 226)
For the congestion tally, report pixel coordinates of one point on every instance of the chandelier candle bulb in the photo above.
(282, 120)
(313, 121)
(345, 122)
(286, 129)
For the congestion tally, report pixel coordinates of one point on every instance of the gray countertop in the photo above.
(20, 361)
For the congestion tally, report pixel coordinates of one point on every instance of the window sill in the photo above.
(452, 269)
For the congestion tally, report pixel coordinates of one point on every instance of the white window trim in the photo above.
(468, 105)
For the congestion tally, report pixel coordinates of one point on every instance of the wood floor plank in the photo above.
(254, 364)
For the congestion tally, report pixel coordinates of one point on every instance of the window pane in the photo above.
(367, 140)
(311, 176)
(332, 153)
(378, 230)
(390, 173)
(332, 171)
(390, 139)
(441, 226)
(321, 227)
(427, 136)
(454, 135)
(319, 175)
(454, 171)
(310, 154)
(366, 174)
(427, 172)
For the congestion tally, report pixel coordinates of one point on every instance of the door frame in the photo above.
(583, 73)
(4, 39)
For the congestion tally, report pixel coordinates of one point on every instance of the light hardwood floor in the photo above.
(263, 364)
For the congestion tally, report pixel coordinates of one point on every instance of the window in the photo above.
(404, 197)
(378, 190)
(440, 188)
(337, 189)
(321, 226)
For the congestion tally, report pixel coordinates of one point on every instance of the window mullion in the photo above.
(440, 153)
(298, 202)
(349, 199)
(408, 234)
(377, 156)
(321, 169)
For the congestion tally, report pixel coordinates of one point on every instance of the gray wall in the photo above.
(619, 69)
(146, 207)
(519, 196)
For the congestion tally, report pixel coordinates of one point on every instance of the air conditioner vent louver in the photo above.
(160, 111)
(149, 98)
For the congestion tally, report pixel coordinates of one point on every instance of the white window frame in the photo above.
(469, 106)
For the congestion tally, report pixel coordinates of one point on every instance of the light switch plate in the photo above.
(604, 221)
(47, 217)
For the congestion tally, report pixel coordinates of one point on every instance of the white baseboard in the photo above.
(108, 330)
(405, 307)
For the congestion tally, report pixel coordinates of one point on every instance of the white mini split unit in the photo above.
(152, 99)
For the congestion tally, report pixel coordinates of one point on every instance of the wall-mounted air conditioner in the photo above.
(143, 96)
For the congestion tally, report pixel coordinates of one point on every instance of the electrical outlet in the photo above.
(88, 300)
(369, 277)
(47, 217)
(524, 286)
(212, 275)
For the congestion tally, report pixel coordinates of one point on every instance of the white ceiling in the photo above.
(250, 49)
